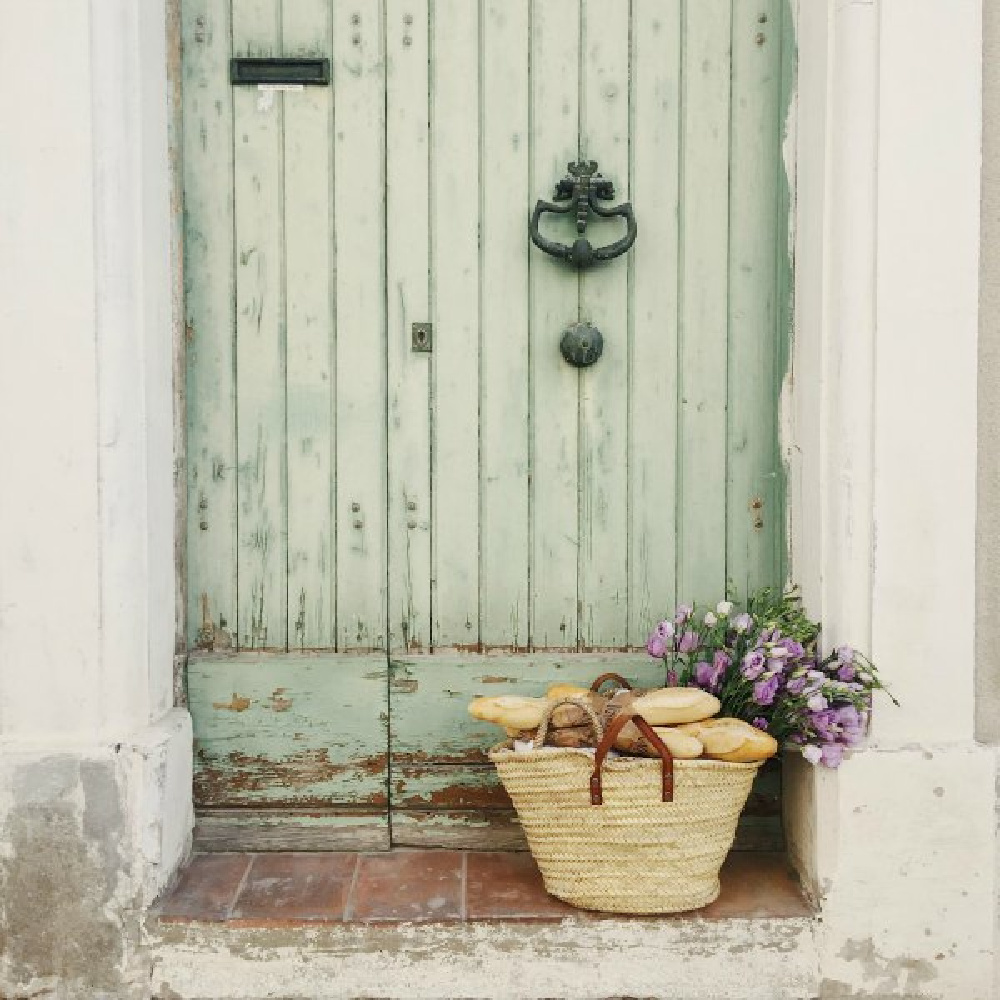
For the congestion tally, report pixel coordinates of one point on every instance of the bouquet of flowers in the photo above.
(763, 664)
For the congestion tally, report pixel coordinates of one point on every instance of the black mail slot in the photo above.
(311, 72)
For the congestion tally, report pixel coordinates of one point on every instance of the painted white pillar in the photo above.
(86, 546)
(898, 844)
(94, 760)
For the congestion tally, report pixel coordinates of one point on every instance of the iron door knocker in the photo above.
(581, 191)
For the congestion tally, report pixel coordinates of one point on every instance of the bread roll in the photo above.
(510, 711)
(733, 740)
(671, 706)
(564, 716)
(574, 736)
(683, 746)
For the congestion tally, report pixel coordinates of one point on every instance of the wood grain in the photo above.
(704, 288)
(211, 389)
(407, 296)
(311, 425)
(505, 260)
(260, 338)
(359, 236)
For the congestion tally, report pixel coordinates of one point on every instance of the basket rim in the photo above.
(505, 753)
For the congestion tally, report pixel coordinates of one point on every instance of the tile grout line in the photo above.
(239, 888)
(352, 889)
(463, 904)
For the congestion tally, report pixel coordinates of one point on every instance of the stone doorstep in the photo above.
(454, 924)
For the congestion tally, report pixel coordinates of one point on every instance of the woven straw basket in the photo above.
(625, 834)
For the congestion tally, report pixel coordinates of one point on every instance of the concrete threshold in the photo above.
(679, 958)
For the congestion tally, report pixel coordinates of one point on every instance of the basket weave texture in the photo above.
(634, 853)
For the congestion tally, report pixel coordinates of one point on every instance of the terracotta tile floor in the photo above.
(279, 889)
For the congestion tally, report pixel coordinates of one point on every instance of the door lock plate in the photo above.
(423, 337)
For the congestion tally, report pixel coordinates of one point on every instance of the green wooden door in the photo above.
(378, 533)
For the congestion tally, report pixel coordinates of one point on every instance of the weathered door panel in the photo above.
(300, 739)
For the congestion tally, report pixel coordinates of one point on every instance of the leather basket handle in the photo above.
(607, 741)
(604, 678)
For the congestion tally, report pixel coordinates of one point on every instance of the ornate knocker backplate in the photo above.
(582, 191)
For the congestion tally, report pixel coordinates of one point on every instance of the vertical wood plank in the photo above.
(753, 517)
(553, 290)
(359, 197)
(505, 351)
(308, 208)
(604, 301)
(454, 200)
(702, 355)
(211, 389)
(260, 338)
(407, 294)
(656, 100)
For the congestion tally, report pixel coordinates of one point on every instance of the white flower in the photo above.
(812, 754)
(777, 652)
(865, 677)
(724, 607)
(710, 619)
(817, 703)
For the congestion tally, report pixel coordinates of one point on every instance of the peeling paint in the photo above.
(238, 704)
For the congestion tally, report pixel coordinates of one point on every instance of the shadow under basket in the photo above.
(626, 834)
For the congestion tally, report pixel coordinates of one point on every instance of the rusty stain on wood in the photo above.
(237, 704)
(229, 780)
(278, 703)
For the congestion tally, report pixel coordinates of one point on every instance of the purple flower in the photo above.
(765, 690)
(832, 754)
(657, 646)
(682, 614)
(796, 685)
(845, 654)
(817, 703)
(671, 678)
(846, 672)
(812, 754)
(742, 622)
(689, 642)
(665, 630)
(704, 675)
(825, 725)
(793, 649)
(777, 665)
(753, 664)
(852, 725)
(760, 723)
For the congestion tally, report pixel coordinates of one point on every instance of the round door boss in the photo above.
(582, 344)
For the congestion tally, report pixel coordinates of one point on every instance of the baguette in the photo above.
(732, 740)
(672, 706)
(510, 711)
(682, 745)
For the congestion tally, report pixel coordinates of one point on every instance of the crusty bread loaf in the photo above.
(574, 736)
(518, 713)
(683, 746)
(672, 706)
(732, 740)
(509, 710)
